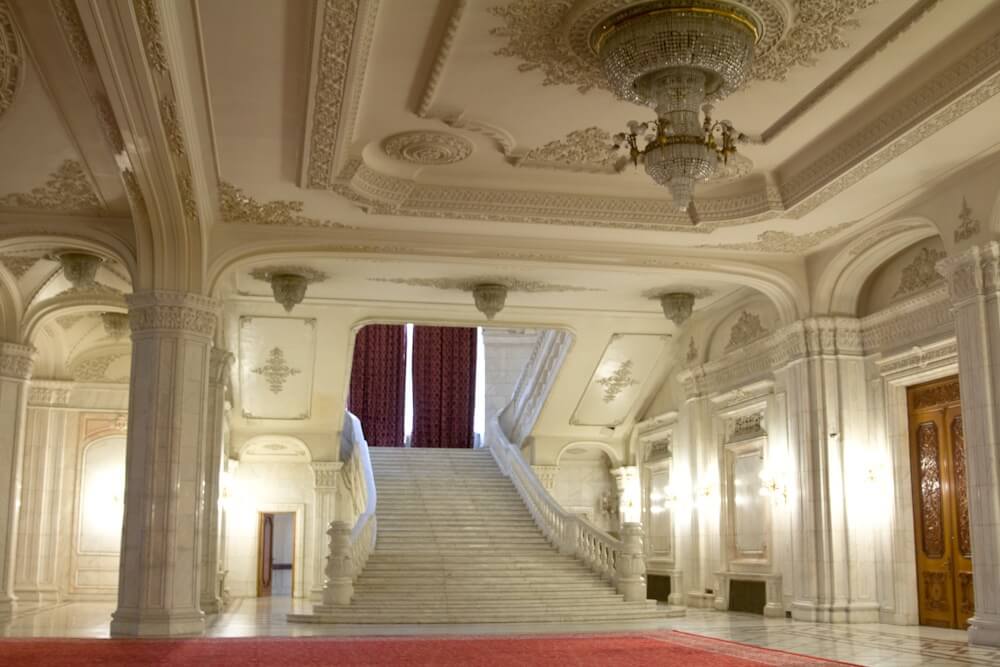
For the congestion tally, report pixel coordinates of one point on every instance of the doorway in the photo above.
(940, 504)
(276, 554)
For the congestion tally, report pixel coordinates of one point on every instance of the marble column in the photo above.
(15, 370)
(834, 562)
(37, 563)
(324, 511)
(974, 282)
(158, 583)
(219, 363)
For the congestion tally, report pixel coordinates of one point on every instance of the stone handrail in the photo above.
(539, 375)
(351, 543)
(618, 561)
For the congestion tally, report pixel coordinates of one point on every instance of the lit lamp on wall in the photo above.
(773, 485)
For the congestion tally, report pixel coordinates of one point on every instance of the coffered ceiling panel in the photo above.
(277, 355)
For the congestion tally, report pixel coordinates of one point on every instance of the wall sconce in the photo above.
(773, 485)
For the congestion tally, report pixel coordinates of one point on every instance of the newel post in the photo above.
(630, 567)
(339, 587)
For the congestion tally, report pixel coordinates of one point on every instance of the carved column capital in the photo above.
(325, 474)
(218, 366)
(49, 394)
(16, 361)
(973, 273)
(165, 311)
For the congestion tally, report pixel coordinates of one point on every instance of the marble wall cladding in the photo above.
(13, 403)
(581, 486)
(507, 353)
(268, 487)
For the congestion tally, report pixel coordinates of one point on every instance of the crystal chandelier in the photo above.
(678, 56)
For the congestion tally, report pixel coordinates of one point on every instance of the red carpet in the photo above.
(646, 649)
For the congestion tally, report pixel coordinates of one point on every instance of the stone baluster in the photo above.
(16, 362)
(339, 587)
(630, 567)
(159, 592)
(974, 282)
(324, 510)
(219, 363)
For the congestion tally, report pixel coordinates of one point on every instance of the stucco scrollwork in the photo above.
(67, 190)
(746, 330)
(427, 147)
(968, 226)
(469, 284)
(18, 264)
(590, 149)
(920, 273)
(11, 58)
(784, 242)
(620, 380)
(237, 206)
(276, 370)
(95, 369)
(535, 31)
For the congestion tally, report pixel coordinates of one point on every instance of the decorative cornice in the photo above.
(427, 147)
(920, 273)
(11, 58)
(163, 311)
(783, 242)
(468, 284)
(444, 50)
(920, 356)
(915, 318)
(325, 474)
(344, 42)
(16, 361)
(237, 206)
(67, 190)
(974, 273)
(589, 150)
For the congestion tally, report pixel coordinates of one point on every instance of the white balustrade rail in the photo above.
(351, 542)
(618, 561)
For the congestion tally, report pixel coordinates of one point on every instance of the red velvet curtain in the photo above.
(378, 383)
(444, 386)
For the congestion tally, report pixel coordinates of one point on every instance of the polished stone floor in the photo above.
(874, 645)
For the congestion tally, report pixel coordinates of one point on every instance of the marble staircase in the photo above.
(456, 544)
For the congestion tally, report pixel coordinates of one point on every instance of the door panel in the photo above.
(940, 504)
(264, 556)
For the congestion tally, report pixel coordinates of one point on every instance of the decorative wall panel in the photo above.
(930, 489)
(276, 366)
(626, 365)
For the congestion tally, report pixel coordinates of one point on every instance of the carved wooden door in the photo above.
(940, 504)
(265, 555)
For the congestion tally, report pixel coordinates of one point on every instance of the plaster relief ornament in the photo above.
(746, 330)
(920, 273)
(289, 283)
(115, 325)
(968, 226)
(490, 298)
(676, 56)
(677, 306)
(79, 268)
(582, 150)
(427, 147)
(67, 190)
(276, 371)
(235, 205)
(620, 380)
(11, 58)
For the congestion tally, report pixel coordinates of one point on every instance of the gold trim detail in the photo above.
(67, 190)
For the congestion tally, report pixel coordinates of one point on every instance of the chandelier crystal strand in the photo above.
(676, 58)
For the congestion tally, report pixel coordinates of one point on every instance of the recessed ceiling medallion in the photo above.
(427, 147)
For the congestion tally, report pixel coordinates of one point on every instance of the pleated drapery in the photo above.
(378, 383)
(444, 383)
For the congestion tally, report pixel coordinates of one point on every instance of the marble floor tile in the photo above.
(871, 645)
